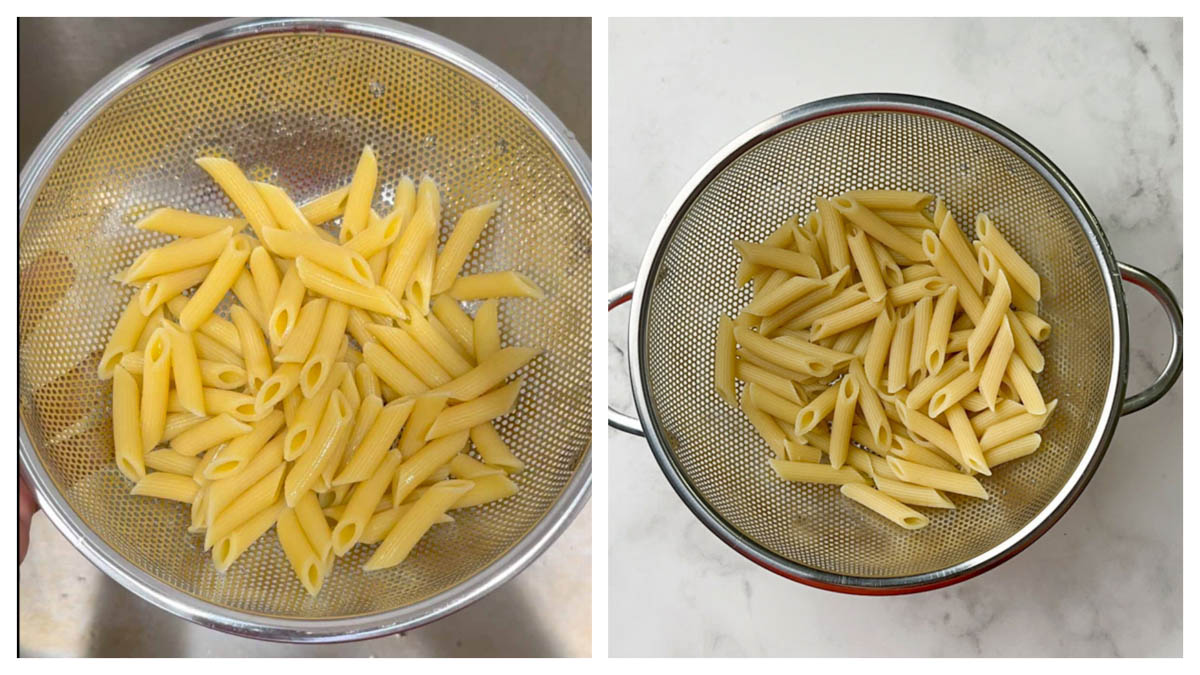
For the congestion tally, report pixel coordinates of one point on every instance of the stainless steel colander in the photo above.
(293, 102)
(711, 454)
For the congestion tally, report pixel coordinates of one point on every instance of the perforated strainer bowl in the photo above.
(711, 454)
(293, 102)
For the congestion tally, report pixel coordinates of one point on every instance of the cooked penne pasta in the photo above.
(230, 459)
(493, 449)
(326, 282)
(127, 427)
(414, 523)
(165, 485)
(218, 282)
(416, 469)
(358, 199)
(208, 434)
(181, 254)
(878, 228)
(507, 284)
(885, 506)
(306, 563)
(1012, 263)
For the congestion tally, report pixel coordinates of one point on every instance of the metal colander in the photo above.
(710, 452)
(293, 102)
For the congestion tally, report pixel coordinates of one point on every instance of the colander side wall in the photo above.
(427, 106)
(712, 457)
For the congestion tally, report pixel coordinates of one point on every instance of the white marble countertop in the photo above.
(1101, 98)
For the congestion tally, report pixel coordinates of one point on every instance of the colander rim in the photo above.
(185, 605)
(638, 331)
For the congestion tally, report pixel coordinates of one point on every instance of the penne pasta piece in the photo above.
(956, 245)
(910, 450)
(165, 485)
(329, 435)
(997, 362)
(156, 381)
(323, 281)
(897, 363)
(936, 342)
(920, 394)
(180, 254)
(416, 469)
(1014, 427)
(208, 434)
(123, 339)
(915, 495)
(229, 548)
(1022, 273)
(780, 354)
(391, 371)
(187, 224)
(833, 230)
(415, 522)
(223, 491)
(493, 450)
(303, 335)
(912, 291)
(922, 318)
(358, 199)
(266, 277)
(939, 436)
(968, 442)
(471, 413)
(1035, 325)
(808, 472)
(308, 415)
(884, 232)
(989, 322)
(1014, 449)
(843, 420)
(941, 259)
(867, 265)
(305, 562)
(494, 370)
(241, 450)
(224, 272)
(420, 230)
(462, 240)
(158, 290)
(905, 200)
(354, 518)
(128, 449)
(506, 284)
(319, 364)
(871, 406)
(948, 481)
(843, 320)
(439, 347)
(370, 451)
(326, 207)
(954, 391)
(885, 506)
(255, 355)
(169, 461)
(337, 259)
(231, 179)
(256, 497)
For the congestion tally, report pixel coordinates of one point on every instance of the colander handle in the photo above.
(616, 418)
(1162, 384)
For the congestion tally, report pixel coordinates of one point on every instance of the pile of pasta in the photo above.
(339, 402)
(885, 353)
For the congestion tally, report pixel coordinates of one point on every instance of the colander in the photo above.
(711, 455)
(293, 102)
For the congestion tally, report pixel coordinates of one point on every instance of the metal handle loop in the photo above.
(616, 418)
(1162, 384)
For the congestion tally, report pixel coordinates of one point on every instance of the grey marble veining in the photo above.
(1102, 99)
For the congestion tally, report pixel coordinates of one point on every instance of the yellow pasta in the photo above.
(884, 232)
(493, 450)
(833, 230)
(936, 342)
(391, 371)
(405, 253)
(996, 364)
(843, 419)
(416, 469)
(462, 239)
(358, 199)
(949, 481)
(308, 415)
(374, 445)
(127, 427)
(266, 277)
(158, 290)
(922, 318)
(186, 224)
(178, 255)
(968, 442)
(956, 245)
(334, 424)
(319, 364)
(1022, 273)
(222, 492)
(240, 451)
(208, 434)
(510, 284)
(1014, 427)
(989, 322)
(358, 511)
(1014, 449)
(255, 355)
(414, 523)
(494, 370)
(808, 472)
(169, 461)
(231, 179)
(885, 506)
(156, 379)
(226, 269)
(465, 415)
(230, 547)
(837, 322)
(305, 561)
(185, 370)
(165, 485)
(326, 282)
(256, 497)
(914, 495)
(897, 364)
